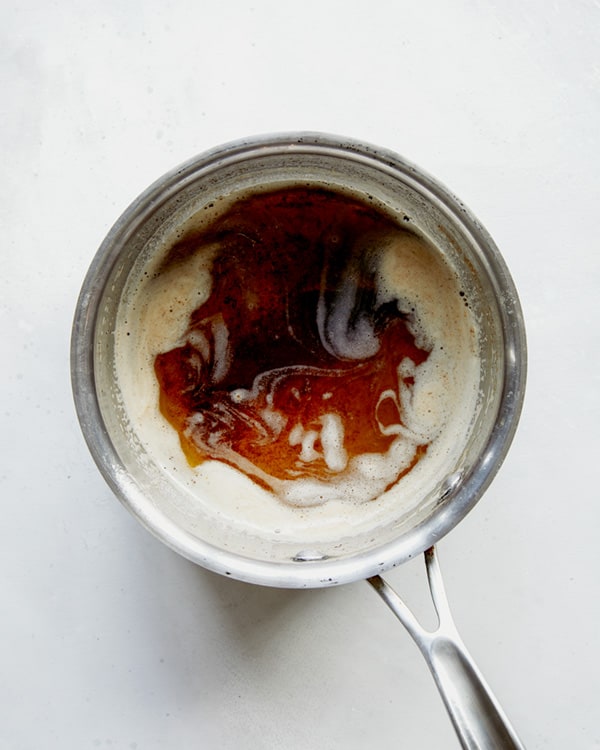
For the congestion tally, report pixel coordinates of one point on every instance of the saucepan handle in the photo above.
(478, 719)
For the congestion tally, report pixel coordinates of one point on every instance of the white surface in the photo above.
(108, 639)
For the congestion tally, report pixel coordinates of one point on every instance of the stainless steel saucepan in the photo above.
(177, 515)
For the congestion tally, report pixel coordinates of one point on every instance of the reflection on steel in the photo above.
(478, 719)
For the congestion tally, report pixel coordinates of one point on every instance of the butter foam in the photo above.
(437, 408)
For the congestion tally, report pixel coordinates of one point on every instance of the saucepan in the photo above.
(247, 534)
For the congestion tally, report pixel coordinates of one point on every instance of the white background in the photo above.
(110, 640)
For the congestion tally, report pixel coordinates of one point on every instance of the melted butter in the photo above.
(305, 341)
(299, 360)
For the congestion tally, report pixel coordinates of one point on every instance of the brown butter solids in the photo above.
(280, 342)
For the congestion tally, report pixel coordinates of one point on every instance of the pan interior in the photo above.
(214, 514)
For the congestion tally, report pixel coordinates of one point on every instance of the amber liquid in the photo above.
(293, 340)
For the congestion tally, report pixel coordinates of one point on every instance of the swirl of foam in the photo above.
(321, 375)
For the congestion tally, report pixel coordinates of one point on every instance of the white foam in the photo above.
(438, 408)
(221, 350)
(332, 440)
(356, 341)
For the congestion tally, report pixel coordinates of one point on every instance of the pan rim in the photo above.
(309, 572)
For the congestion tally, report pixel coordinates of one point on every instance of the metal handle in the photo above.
(478, 719)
